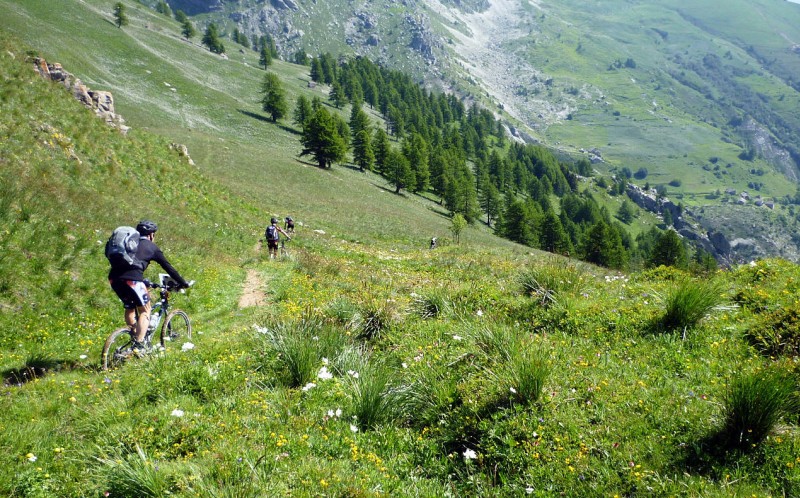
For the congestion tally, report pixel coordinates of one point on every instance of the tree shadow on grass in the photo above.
(266, 119)
(37, 367)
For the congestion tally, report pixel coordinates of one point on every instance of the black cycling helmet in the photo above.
(146, 227)
(273, 220)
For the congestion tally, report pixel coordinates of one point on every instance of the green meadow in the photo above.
(362, 363)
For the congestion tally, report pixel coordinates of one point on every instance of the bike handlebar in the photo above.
(168, 287)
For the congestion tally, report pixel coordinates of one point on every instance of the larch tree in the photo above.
(211, 39)
(120, 15)
(274, 100)
(321, 139)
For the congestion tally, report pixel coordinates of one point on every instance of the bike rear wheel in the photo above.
(117, 349)
(176, 328)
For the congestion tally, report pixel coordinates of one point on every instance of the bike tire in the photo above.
(176, 327)
(117, 343)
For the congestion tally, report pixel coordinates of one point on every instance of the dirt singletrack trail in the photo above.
(253, 289)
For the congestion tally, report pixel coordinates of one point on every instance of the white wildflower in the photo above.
(353, 428)
(187, 346)
(31, 457)
(177, 413)
(457, 337)
(352, 373)
(309, 386)
(470, 454)
(324, 374)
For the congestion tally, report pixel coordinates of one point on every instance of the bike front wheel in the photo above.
(176, 328)
(117, 349)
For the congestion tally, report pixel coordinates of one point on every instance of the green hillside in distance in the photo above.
(361, 363)
(703, 96)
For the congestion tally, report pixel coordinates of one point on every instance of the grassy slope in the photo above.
(620, 405)
(667, 137)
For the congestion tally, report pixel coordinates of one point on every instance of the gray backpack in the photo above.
(121, 248)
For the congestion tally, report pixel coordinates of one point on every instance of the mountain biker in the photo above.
(289, 224)
(128, 282)
(272, 234)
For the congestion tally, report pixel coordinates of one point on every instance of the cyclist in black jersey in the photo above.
(128, 281)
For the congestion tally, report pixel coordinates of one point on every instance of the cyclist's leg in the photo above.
(130, 300)
(142, 306)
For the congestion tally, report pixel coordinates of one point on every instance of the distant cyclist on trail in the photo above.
(127, 280)
(289, 224)
(273, 236)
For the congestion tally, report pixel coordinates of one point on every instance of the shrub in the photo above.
(688, 302)
(777, 333)
(754, 403)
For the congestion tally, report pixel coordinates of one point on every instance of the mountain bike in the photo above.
(176, 326)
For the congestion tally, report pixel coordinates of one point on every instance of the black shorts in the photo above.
(272, 244)
(132, 293)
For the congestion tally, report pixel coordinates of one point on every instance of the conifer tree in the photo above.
(398, 170)
(490, 199)
(163, 8)
(626, 212)
(321, 139)
(602, 245)
(302, 112)
(363, 155)
(553, 237)
(274, 100)
(120, 15)
(211, 39)
(187, 29)
(416, 151)
(668, 251)
(337, 95)
(180, 16)
(381, 147)
(264, 58)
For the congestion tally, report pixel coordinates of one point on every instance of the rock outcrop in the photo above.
(101, 102)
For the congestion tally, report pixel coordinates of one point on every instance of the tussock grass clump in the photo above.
(432, 304)
(754, 403)
(138, 475)
(344, 312)
(546, 283)
(432, 396)
(376, 318)
(377, 397)
(495, 342)
(688, 302)
(526, 372)
(299, 348)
